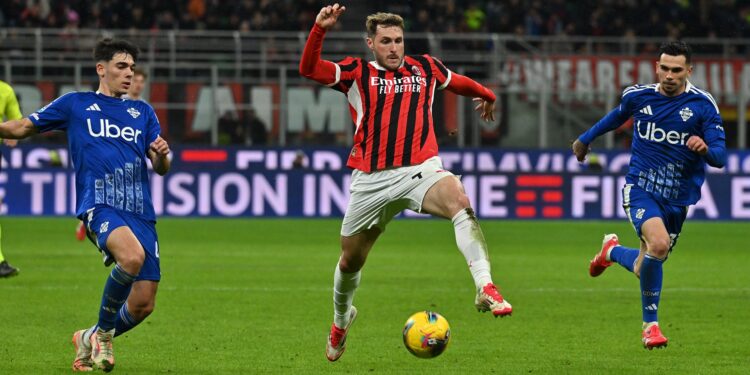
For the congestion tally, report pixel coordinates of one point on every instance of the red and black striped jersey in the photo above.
(392, 110)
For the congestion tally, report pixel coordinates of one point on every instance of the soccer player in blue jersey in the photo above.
(109, 140)
(677, 131)
(137, 84)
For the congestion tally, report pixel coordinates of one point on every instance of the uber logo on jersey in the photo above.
(109, 130)
(659, 135)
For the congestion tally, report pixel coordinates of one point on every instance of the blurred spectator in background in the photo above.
(137, 85)
(474, 18)
(231, 131)
(299, 160)
(258, 131)
(674, 18)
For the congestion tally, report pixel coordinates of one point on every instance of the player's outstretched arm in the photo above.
(158, 152)
(17, 129)
(484, 97)
(311, 65)
(611, 121)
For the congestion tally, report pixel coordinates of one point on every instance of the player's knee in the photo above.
(349, 264)
(463, 202)
(460, 203)
(659, 248)
(132, 261)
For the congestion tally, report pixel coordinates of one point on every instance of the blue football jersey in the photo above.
(660, 161)
(108, 140)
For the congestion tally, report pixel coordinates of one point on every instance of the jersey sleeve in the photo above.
(338, 76)
(713, 134)
(466, 86)
(440, 72)
(347, 71)
(54, 116)
(613, 120)
(153, 128)
(12, 110)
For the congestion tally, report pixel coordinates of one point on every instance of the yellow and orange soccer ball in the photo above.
(426, 334)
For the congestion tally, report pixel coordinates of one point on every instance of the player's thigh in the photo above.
(658, 241)
(370, 202)
(146, 233)
(431, 189)
(125, 247)
(640, 207)
(445, 198)
(110, 231)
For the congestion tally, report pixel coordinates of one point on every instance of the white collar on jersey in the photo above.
(379, 67)
(687, 87)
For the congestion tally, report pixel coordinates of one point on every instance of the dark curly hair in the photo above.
(107, 48)
(676, 48)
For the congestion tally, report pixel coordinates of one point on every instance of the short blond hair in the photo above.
(382, 19)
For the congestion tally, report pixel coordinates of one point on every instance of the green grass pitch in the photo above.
(249, 296)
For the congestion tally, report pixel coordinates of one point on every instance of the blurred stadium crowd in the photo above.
(625, 22)
(672, 18)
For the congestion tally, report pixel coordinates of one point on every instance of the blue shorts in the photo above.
(101, 220)
(641, 206)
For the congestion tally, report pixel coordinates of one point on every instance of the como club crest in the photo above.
(416, 71)
(686, 113)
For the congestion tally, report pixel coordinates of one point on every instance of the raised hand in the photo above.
(486, 109)
(329, 15)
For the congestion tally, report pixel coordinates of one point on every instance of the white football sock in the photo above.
(87, 335)
(344, 285)
(470, 241)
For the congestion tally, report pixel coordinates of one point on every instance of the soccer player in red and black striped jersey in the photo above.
(395, 155)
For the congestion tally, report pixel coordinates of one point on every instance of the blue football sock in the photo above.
(651, 278)
(624, 256)
(125, 322)
(115, 294)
